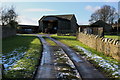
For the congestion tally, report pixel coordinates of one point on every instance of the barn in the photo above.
(89, 29)
(100, 23)
(60, 24)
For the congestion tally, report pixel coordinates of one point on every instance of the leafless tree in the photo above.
(106, 13)
(94, 17)
(8, 16)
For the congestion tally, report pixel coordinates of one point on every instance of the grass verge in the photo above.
(21, 56)
(113, 37)
(72, 42)
(49, 41)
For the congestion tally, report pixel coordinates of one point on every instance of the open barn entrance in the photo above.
(50, 26)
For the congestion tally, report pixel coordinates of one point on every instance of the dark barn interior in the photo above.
(50, 26)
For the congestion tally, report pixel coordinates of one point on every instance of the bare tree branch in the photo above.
(106, 13)
(8, 16)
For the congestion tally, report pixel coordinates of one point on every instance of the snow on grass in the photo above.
(0, 58)
(105, 64)
(20, 57)
(10, 58)
(65, 66)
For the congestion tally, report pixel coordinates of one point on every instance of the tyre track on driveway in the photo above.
(55, 64)
(46, 69)
(86, 70)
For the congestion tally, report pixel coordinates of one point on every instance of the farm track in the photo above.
(85, 69)
(47, 68)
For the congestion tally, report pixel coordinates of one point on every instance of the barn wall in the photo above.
(109, 47)
(39, 22)
(73, 24)
(64, 27)
(108, 28)
(40, 26)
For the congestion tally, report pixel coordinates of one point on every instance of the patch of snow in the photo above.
(18, 68)
(63, 55)
(107, 65)
(12, 57)
(6, 65)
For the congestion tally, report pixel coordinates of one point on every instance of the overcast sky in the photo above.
(30, 12)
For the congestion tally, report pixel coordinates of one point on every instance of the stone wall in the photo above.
(7, 32)
(109, 47)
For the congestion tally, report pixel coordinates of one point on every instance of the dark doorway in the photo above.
(50, 27)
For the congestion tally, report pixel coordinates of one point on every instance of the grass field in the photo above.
(21, 56)
(9, 44)
(113, 37)
(49, 41)
(72, 43)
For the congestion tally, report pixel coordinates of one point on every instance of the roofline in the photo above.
(56, 16)
(59, 15)
(27, 25)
